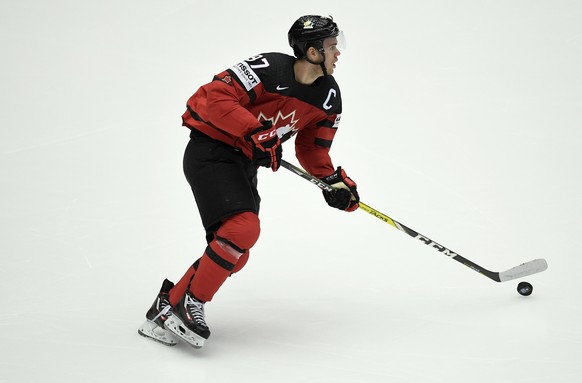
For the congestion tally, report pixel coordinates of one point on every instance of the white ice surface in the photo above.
(462, 120)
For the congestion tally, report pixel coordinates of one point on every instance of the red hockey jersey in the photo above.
(264, 88)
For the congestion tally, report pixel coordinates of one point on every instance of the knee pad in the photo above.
(240, 231)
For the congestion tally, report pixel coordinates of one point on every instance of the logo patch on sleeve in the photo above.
(246, 75)
(337, 121)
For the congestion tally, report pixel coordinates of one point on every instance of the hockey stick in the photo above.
(525, 269)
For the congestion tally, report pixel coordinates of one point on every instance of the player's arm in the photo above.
(225, 108)
(312, 147)
(223, 100)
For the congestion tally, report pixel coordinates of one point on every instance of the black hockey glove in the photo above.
(345, 197)
(266, 146)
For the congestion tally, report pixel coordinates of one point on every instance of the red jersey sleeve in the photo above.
(312, 147)
(222, 103)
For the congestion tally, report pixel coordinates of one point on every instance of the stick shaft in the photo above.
(522, 270)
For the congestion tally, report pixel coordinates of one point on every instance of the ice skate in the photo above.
(159, 313)
(187, 321)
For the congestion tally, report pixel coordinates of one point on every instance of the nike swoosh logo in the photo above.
(279, 87)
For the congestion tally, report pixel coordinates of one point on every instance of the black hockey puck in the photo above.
(524, 288)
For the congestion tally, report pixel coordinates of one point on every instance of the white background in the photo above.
(461, 120)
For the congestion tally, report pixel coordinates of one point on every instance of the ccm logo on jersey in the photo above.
(246, 75)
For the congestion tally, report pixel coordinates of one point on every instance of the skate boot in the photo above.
(187, 321)
(160, 311)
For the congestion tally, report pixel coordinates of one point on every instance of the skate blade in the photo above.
(177, 327)
(151, 330)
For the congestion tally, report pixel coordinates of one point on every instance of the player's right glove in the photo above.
(266, 146)
(345, 196)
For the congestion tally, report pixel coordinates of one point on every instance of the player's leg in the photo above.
(223, 182)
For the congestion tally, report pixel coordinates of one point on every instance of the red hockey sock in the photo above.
(180, 288)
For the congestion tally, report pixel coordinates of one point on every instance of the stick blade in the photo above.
(523, 270)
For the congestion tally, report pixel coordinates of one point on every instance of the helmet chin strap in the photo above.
(321, 64)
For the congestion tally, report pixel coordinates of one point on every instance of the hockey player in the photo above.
(237, 123)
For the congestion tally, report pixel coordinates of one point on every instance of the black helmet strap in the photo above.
(319, 48)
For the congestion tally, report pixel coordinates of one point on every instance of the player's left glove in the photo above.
(345, 197)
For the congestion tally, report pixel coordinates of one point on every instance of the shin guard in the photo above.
(227, 253)
(215, 266)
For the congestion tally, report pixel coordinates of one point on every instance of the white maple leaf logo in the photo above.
(285, 124)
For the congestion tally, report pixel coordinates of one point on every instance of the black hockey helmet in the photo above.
(310, 31)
